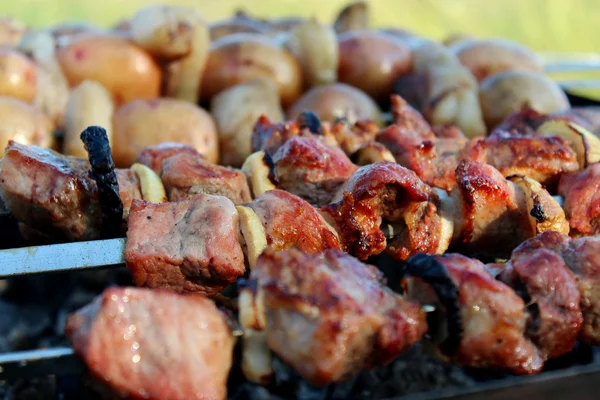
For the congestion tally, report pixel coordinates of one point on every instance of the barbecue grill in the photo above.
(46, 287)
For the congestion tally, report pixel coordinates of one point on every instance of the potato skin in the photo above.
(148, 122)
(488, 57)
(23, 123)
(336, 101)
(511, 91)
(236, 110)
(372, 61)
(18, 75)
(242, 57)
(124, 69)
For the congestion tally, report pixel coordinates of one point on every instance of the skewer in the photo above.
(53, 361)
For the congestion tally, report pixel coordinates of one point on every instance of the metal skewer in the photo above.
(58, 360)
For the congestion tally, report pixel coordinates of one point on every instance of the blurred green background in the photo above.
(543, 25)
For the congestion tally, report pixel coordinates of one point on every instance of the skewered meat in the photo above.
(541, 277)
(327, 314)
(188, 246)
(524, 122)
(407, 118)
(543, 158)
(380, 194)
(351, 137)
(185, 175)
(485, 319)
(311, 170)
(54, 194)
(153, 156)
(154, 344)
(270, 136)
(581, 191)
(290, 221)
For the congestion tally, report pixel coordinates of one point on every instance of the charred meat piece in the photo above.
(290, 221)
(351, 137)
(186, 175)
(541, 158)
(390, 196)
(270, 136)
(491, 213)
(154, 344)
(54, 194)
(311, 170)
(329, 315)
(483, 320)
(523, 123)
(434, 159)
(548, 287)
(581, 191)
(409, 119)
(153, 156)
(188, 246)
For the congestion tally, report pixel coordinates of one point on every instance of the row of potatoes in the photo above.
(152, 78)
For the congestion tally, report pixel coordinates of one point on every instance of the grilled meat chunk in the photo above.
(383, 194)
(407, 118)
(434, 159)
(270, 136)
(329, 315)
(188, 246)
(541, 158)
(290, 221)
(153, 156)
(550, 291)
(53, 193)
(311, 170)
(581, 191)
(185, 175)
(154, 344)
(485, 319)
(492, 216)
(351, 137)
(523, 123)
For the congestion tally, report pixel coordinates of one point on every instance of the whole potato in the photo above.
(315, 47)
(148, 122)
(372, 61)
(236, 110)
(124, 69)
(355, 16)
(337, 101)
(510, 91)
(488, 57)
(17, 75)
(242, 57)
(11, 31)
(23, 123)
(285, 24)
(238, 24)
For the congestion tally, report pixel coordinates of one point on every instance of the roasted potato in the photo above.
(123, 68)
(236, 110)
(337, 101)
(285, 24)
(173, 32)
(315, 47)
(242, 57)
(240, 23)
(353, 17)
(11, 31)
(372, 61)
(488, 57)
(17, 75)
(146, 122)
(510, 91)
(24, 123)
(89, 104)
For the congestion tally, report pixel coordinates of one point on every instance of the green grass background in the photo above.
(543, 25)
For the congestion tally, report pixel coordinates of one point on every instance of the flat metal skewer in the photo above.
(62, 257)
(35, 363)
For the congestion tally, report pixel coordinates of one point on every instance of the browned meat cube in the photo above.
(153, 156)
(154, 344)
(188, 246)
(290, 221)
(484, 322)
(382, 194)
(186, 175)
(53, 193)
(582, 200)
(329, 315)
(309, 169)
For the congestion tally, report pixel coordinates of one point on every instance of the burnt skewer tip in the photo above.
(95, 141)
